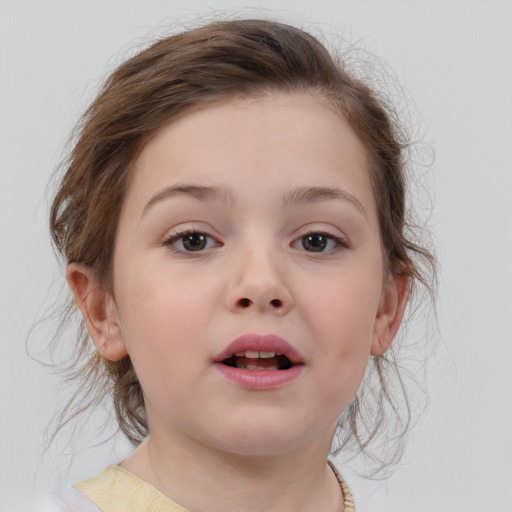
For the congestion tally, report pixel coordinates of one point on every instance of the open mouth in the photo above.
(258, 360)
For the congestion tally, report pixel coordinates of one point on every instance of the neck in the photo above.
(201, 478)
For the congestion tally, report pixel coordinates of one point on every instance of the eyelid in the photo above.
(176, 235)
(322, 228)
(338, 240)
(334, 235)
(190, 227)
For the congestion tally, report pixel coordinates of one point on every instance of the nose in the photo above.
(258, 284)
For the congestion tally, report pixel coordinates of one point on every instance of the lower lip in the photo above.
(259, 379)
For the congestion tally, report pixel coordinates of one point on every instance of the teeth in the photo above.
(255, 354)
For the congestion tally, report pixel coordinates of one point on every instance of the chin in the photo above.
(262, 439)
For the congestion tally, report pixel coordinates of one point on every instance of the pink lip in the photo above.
(260, 379)
(261, 342)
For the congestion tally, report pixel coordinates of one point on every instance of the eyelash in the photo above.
(171, 240)
(339, 243)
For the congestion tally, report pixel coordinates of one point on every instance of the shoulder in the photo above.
(69, 499)
(117, 489)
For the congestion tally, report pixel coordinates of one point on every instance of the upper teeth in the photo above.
(256, 354)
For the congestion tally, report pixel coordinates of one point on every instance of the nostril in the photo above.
(247, 303)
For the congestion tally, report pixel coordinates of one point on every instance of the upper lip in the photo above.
(263, 343)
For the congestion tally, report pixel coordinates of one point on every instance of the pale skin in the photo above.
(254, 178)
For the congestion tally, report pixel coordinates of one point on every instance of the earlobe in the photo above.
(389, 315)
(99, 311)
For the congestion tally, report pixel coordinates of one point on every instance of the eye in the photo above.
(191, 241)
(319, 242)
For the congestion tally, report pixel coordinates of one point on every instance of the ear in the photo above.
(390, 312)
(99, 311)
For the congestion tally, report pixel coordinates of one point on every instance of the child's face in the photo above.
(254, 219)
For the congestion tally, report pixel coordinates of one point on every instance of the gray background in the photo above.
(452, 57)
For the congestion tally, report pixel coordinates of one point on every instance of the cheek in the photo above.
(341, 315)
(161, 316)
(345, 310)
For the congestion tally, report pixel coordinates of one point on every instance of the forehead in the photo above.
(262, 144)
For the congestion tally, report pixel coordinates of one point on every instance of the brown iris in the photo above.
(315, 242)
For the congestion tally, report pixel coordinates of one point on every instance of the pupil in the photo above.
(314, 242)
(194, 242)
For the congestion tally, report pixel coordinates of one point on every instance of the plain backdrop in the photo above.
(452, 58)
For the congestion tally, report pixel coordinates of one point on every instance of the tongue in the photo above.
(271, 363)
(279, 362)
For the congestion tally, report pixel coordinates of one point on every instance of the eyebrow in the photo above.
(199, 192)
(318, 194)
(302, 195)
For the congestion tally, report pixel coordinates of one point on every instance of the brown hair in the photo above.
(188, 71)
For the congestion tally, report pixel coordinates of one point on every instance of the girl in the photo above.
(233, 220)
